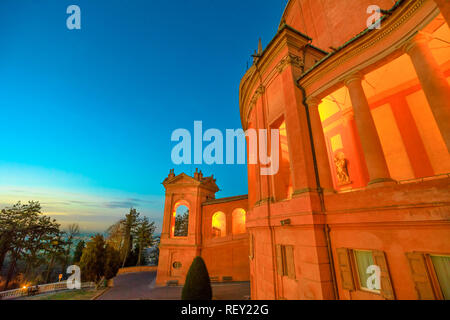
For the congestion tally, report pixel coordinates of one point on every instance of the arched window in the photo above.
(238, 224)
(219, 225)
(180, 220)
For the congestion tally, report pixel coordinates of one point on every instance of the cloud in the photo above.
(125, 204)
(93, 211)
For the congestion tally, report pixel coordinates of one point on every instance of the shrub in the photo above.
(197, 285)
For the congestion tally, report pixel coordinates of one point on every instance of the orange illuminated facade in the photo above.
(364, 178)
(216, 231)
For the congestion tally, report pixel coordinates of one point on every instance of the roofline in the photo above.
(280, 30)
(284, 12)
(227, 199)
(250, 73)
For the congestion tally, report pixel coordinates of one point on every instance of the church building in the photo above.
(360, 205)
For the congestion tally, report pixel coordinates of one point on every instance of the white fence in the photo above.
(43, 288)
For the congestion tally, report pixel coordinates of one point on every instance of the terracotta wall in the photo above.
(262, 265)
(395, 241)
(390, 220)
(226, 255)
(395, 224)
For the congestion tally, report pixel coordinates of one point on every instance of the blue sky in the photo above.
(87, 115)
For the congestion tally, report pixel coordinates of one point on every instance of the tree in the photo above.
(14, 222)
(132, 258)
(116, 235)
(24, 234)
(131, 236)
(38, 239)
(144, 236)
(181, 224)
(73, 231)
(78, 251)
(112, 262)
(92, 263)
(55, 251)
(154, 253)
(197, 285)
(129, 223)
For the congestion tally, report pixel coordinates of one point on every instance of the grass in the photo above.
(82, 294)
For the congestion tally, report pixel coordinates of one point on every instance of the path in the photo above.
(141, 286)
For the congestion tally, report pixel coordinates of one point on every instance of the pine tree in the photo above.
(197, 285)
(181, 224)
(129, 223)
(144, 236)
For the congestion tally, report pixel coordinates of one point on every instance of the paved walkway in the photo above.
(141, 286)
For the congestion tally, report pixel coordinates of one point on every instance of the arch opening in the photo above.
(180, 220)
(238, 221)
(219, 225)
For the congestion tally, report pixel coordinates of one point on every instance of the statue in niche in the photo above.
(341, 168)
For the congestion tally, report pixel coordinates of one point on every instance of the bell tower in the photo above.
(176, 253)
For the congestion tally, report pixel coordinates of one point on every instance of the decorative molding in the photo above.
(286, 37)
(418, 39)
(290, 59)
(302, 191)
(356, 76)
(258, 93)
(224, 200)
(380, 180)
(263, 201)
(313, 102)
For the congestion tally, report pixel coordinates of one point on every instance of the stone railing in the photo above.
(137, 269)
(43, 288)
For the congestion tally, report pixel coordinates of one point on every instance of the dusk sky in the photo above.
(87, 115)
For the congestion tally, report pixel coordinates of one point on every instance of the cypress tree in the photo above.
(197, 285)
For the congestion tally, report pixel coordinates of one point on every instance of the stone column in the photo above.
(444, 6)
(358, 173)
(320, 146)
(371, 145)
(434, 84)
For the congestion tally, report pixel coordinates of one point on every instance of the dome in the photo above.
(330, 23)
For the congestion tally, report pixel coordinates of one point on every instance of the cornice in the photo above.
(224, 200)
(252, 82)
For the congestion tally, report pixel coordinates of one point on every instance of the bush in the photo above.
(197, 285)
